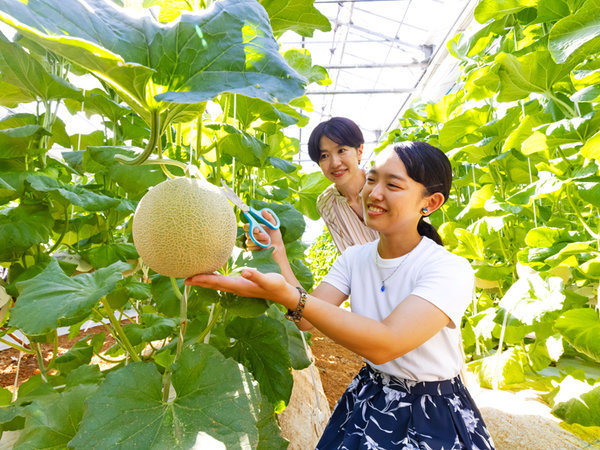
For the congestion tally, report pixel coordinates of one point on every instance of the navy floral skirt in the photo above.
(379, 411)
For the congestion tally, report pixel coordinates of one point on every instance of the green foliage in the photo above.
(521, 130)
(321, 256)
(67, 200)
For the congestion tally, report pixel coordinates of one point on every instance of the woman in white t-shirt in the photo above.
(408, 296)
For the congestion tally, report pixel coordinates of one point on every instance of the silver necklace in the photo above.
(383, 280)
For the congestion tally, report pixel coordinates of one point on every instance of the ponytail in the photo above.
(429, 166)
(428, 230)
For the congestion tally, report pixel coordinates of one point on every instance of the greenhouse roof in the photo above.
(380, 55)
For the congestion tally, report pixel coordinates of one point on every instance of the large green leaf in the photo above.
(531, 297)
(215, 404)
(577, 402)
(581, 328)
(244, 147)
(496, 9)
(22, 227)
(261, 345)
(52, 299)
(579, 32)
(295, 15)
(16, 142)
(296, 347)
(75, 194)
(152, 328)
(533, 72)
(23, 70)
(229, 48)
(458, 127)
(301, 61)
(52, 420)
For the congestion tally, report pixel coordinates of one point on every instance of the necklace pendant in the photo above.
(382, 288)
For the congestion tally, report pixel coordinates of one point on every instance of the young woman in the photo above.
(408, 296)
(336, 145)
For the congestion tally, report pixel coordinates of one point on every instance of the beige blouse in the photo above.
(345, 227)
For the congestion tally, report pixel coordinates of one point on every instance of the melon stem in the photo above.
(120, 332)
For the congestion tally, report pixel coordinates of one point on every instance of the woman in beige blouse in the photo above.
(336, 145)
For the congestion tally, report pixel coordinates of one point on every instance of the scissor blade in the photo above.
(231, 195)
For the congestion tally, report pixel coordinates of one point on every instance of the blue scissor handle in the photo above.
(256, 220)
(259, 216)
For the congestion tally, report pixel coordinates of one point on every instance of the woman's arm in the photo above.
(412, 323)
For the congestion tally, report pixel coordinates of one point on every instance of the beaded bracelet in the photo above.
(296, 315)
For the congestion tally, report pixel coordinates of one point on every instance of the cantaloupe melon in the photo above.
(184, 226)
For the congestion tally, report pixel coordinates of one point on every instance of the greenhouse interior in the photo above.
(187, 188)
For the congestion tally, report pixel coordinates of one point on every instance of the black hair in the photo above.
(429, 166)
(340, 130)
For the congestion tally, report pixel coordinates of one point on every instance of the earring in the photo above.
(424, 211)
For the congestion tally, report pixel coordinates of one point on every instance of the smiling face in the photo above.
(339, 162)
(391, 199)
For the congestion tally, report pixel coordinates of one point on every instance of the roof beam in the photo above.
(362, 91)
(377, 66)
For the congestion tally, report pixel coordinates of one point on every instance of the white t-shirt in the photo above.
(428, 271)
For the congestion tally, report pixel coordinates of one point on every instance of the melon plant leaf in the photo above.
(261, 345)
(533, 72)
(23, 70)
(153, 327)
(589, 192)
(52, 299)
(72, 194)
(15, 142)
(298, 356)
(505, 369)
(187, 61)
(107, 254)
(244, 147)
(311, 186)
(51, 421)
(577, 402)
(13, 95)
(97, 101)
(591, 148)
(215, 403)
(248, 110)
(578, 33)
(581, 328)
(458, 127)
(22, 227)
(589, 94)
(135, 180)
(497, 9)
(301, 62)
(299, 16)
(531, 297)
(79, 354)
(269, 433)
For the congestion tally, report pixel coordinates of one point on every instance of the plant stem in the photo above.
(154, 137)
(166, 381)
(120, 332)
(40, 358)
(16, 346)
(176, 288)
(578, 214)
(182, 320)
(215, 317)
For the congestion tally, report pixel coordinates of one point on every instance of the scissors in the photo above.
(255, 217)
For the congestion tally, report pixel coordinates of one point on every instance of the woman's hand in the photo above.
(263, 238)
(252, 283)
